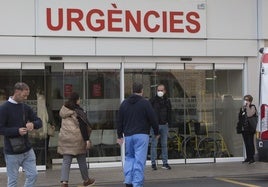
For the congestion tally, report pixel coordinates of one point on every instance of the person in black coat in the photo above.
(135, 119)
(162, 107)
(248, 110)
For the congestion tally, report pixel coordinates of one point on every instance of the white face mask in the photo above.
(160, 94)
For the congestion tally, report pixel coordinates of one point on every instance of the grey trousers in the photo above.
(66, 164)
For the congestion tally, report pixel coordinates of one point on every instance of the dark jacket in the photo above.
(12, 117)
(162, 108)
(243, 124)
(136, 116)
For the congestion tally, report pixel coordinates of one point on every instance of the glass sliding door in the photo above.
(199, 121)
(190, 88)
(229, 94)
(172, 76)
(102, 101)
(35, 78)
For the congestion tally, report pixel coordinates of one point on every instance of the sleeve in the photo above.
(32, 117)
(120, 122)
(2, 120)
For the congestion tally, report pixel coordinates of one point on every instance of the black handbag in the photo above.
(18, 144)
(253, 121)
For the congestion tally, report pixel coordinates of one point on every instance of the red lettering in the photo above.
(164, 21)
(100, 22)
(146, 21)
(174, 21)
(193, 22)
(75, 20)
(112, 20)
(60, 20)
(131, 20)
(117, 20)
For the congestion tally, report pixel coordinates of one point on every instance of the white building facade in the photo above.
(204, 51)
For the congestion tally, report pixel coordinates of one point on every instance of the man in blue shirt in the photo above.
(16, 120)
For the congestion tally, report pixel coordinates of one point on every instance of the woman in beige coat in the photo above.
(74, 139)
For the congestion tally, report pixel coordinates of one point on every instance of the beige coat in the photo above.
(70, 138)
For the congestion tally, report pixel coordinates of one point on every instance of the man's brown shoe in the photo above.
(64, 185)
(89, 182)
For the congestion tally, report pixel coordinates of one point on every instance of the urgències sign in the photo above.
(122, 18)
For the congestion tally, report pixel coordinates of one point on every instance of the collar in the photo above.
(12, 100)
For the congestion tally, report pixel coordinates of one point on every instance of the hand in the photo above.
(120, 141)
(88, 144)
(23, 131)
(29, 126)
(157, 136)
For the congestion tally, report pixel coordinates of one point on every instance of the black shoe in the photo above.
(245, 161)
(166, 166)
(154, 167)
(251, 161)
(129, 185)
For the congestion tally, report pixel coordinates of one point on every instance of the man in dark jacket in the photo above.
(16, 120)
(135, 119)
(162, 107)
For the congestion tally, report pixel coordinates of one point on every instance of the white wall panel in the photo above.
(123, 46)
(139, 65)
(232, 19)
(179, 47)
(103, 65)
(232, 48)
(72, 66)
(263, 16)
(33, 65)
(17, 17)
(65, 46)
(229, 66)
(170, 66)
(16, 45)
(10, 65)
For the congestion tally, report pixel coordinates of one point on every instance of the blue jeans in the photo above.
(135, 159)
(163, 131)
(28, 162)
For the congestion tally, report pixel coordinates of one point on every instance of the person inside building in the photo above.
(16, 120)
(74, 139)
(162, 107)
(135, 118)
(41, 136)
(246, 111)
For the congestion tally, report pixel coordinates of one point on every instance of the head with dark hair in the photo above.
(248, 98)
(21, 92)
(137, 87)
(21, 86)
(72, 103)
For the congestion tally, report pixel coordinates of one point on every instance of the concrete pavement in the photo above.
(104, 176)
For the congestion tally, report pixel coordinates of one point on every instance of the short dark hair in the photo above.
(137, 87)
(250, 98)
(72, 99)
(21, 86)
